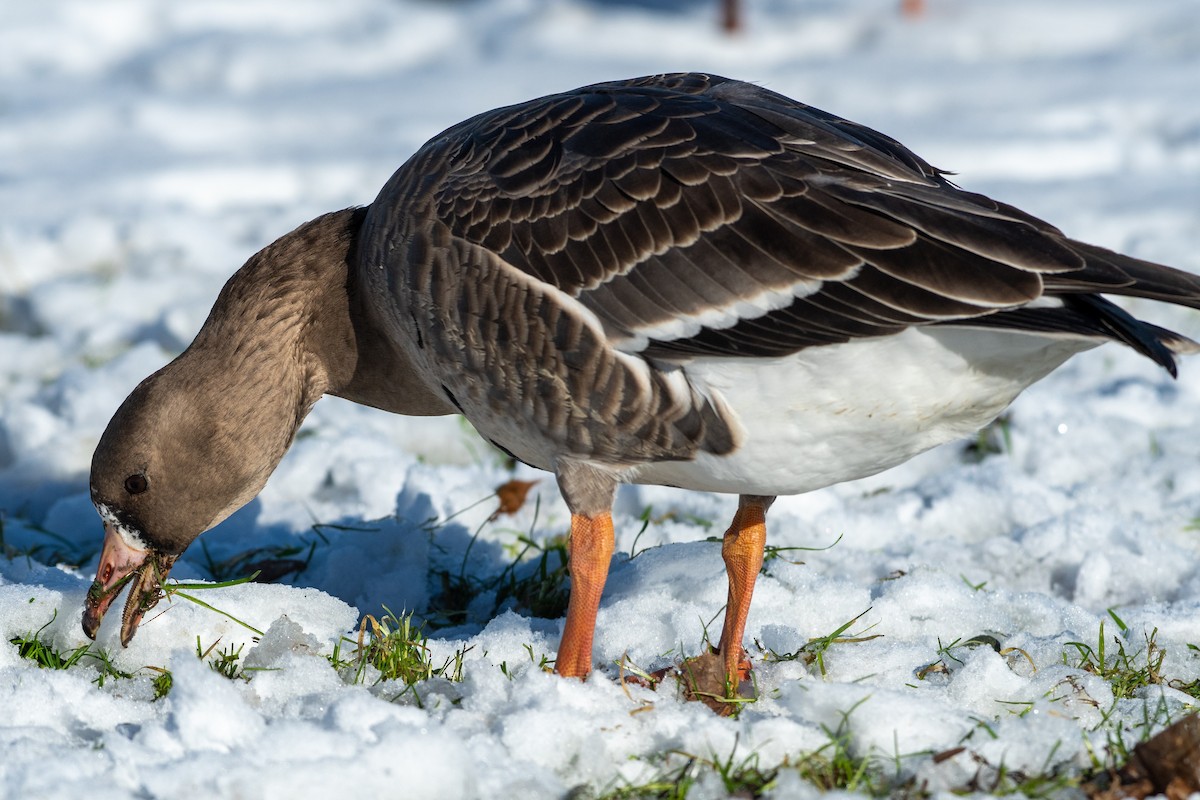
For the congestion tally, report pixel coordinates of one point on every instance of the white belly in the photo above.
(841, 412)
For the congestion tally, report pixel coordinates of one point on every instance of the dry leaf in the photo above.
(703, 679)
(1168, 763)
(512, 496)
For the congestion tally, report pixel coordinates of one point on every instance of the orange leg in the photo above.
(591, 550)
(742, 550)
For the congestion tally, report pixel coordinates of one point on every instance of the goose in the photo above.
(682, 280)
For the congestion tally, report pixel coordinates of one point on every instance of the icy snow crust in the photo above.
(148, 148)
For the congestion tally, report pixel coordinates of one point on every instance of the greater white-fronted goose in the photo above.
(681, 279)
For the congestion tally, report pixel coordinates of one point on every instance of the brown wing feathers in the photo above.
(698, 199)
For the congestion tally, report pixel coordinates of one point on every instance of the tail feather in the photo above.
(1157, 344)
(1177, 343)
(1112, 273)
(1084, 311)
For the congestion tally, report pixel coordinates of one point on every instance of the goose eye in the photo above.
(136, 484)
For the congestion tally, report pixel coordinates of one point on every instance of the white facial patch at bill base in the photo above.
(131, 536)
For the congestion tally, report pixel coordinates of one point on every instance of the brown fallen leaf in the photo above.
(1167, 763)
(703, 679)
(946, 755)
(512, 496)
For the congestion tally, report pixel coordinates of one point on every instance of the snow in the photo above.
(148, 148)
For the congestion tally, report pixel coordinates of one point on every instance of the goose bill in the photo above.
(121, 564)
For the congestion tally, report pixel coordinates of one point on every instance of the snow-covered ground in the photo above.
(147, 148)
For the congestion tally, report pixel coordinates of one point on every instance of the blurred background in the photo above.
(148, 147)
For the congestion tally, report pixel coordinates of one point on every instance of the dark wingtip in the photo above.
(1150, 340)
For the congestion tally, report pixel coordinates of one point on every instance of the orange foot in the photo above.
(744, 667)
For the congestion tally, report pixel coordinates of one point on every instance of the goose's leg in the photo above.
(742, 550)
(591, 550)
(589, 491)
